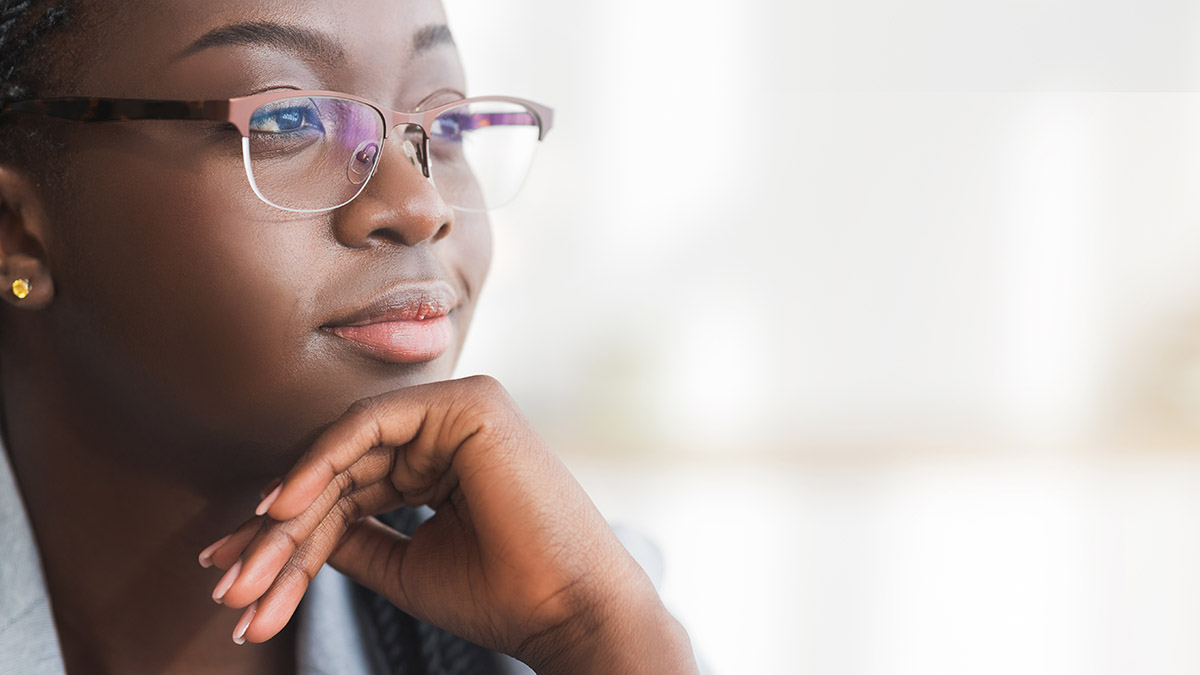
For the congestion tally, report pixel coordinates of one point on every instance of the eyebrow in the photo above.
(431, 36)
(305, 42)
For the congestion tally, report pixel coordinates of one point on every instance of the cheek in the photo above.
(203, 304)
(199, 303)
(466, 254)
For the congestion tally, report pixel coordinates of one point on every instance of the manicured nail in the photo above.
(268, 500)
(226, 582)
(207, 554)
(270, 486)
(239, 632)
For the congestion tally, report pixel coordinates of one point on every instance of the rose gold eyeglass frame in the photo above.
(238, 111)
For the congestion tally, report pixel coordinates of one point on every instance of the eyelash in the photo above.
(309, 119)
(460, 119)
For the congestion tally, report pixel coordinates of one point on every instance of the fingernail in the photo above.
(268, 500)
(239, 631)
(270, 486)
(207, 554)
(227, 581)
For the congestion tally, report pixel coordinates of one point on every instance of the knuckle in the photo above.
(487, 387)
(487, 399)
(326, 468)
(348, 512)
(484, 380)
(361, 406)
(296, 571)
(288, 539)
(365, 410)
(345, 483)
(365, 415)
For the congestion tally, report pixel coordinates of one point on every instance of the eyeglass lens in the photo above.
(315, 153)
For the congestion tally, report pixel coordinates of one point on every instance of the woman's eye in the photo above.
(451, 126)
(286, 118)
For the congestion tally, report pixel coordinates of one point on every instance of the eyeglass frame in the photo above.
(239, 110)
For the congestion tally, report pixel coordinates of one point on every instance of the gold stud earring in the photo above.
(21, 287)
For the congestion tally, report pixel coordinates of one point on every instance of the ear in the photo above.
(24, 227)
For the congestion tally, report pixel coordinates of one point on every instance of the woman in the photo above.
(203, 298)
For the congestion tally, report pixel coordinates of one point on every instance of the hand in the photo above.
(516, 558)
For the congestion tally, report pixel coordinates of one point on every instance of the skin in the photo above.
(169, 363)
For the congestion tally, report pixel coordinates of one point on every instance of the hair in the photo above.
(29, 65)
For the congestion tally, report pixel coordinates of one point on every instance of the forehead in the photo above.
(389, 50)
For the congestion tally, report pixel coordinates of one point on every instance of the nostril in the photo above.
(442, 232)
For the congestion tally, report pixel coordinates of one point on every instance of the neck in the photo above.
(118, 540)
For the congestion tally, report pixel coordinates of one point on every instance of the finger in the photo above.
(361, 490)
(279, 602)
(431, 421)
(365, 425)
(226, 550)
(372, 554)
(276, 606)
(269, 489)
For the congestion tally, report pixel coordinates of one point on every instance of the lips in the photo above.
(407, 324)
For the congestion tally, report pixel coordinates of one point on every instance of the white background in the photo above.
(881, 318)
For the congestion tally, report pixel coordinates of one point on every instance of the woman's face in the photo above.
(183, 300)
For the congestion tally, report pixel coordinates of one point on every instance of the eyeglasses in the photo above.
(310, 151)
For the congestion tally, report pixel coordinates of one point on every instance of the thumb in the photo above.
(372, 554)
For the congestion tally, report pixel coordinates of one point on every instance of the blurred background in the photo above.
(881, 319)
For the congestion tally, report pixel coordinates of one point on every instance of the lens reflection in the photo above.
(481, 153)
(309, 153)
(313, 153)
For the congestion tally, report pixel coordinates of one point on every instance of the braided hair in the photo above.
(27, 61)
(21, 26)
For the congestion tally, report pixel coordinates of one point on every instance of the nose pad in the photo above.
(362, 162)
(415, 152)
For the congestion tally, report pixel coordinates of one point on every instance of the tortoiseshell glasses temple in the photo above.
(315, 150)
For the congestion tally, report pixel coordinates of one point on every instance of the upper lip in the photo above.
(406, 302)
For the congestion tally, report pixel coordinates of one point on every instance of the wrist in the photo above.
(630, 634)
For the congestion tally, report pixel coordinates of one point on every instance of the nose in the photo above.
(398, 203)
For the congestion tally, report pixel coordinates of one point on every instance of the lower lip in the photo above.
(401, 341)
